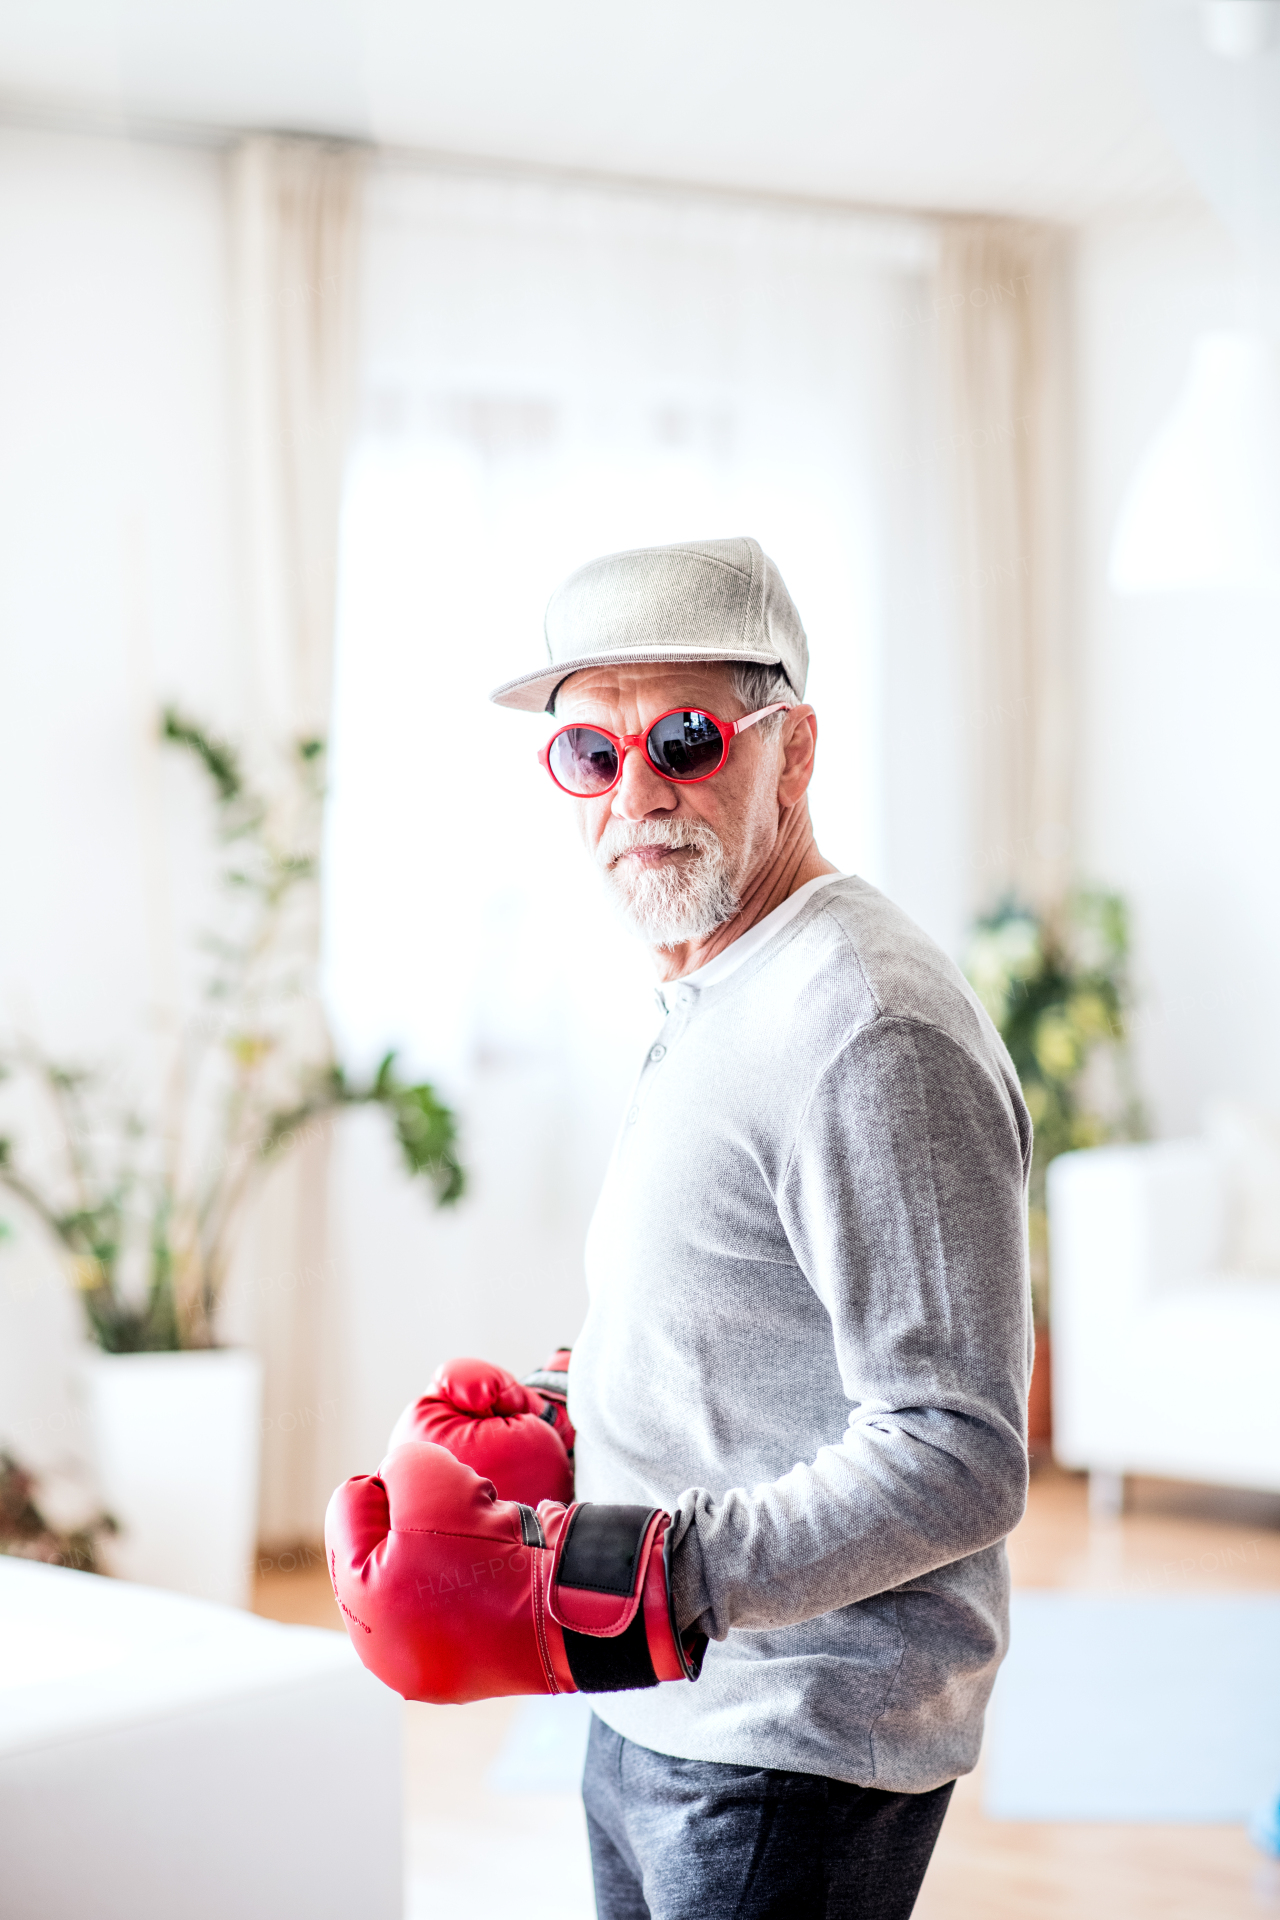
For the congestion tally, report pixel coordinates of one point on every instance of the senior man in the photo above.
(808, 1340)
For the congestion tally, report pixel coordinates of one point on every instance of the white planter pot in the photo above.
(175, 1439)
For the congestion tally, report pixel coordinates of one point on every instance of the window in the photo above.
(551, 373)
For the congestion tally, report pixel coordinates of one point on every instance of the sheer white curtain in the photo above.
(551, 372)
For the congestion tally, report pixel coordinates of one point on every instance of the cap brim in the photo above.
(531, 691)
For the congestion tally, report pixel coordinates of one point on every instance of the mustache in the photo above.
(621, 837)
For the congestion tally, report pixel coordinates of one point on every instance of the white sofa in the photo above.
(165, 1759)
(1166, 1354)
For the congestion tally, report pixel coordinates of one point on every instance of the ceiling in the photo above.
(1019, 106)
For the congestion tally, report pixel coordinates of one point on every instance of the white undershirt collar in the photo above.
(746, 943)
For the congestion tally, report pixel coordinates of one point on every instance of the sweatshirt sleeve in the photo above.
(903, 1198)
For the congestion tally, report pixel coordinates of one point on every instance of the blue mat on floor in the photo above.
(545, 1746)
(1136, 1708)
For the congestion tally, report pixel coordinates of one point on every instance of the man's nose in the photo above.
(642, 790)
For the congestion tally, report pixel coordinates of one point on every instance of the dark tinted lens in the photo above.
(583, 760)
(685, 745)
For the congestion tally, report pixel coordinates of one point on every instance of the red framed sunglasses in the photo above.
(683, 745)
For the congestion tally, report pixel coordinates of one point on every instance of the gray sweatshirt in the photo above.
(809, 1309)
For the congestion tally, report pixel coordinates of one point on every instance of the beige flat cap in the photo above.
(702, 600)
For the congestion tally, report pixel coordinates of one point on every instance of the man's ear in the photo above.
(799, 747)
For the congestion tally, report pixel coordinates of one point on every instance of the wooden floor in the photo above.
(1170, 1540)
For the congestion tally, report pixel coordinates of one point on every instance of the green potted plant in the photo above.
(151, 1178)
(1057, 987)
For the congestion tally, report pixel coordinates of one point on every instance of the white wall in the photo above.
(1179, 767)
(116, 586)
(117, 589)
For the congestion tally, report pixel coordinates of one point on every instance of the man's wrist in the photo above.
(690, 1600)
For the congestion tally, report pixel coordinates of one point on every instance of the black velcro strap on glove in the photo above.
(601, 1548)
(610, 1666)
(600, 1556)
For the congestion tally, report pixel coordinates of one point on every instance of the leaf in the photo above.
(428, 1133)
(219, 760)
(249, 1050)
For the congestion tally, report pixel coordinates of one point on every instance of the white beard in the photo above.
(670, 904)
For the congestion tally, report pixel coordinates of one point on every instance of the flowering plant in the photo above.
(1058, 991)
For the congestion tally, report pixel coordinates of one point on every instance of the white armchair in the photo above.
(1165, 1360)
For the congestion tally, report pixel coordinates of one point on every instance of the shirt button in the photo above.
(656, 1053)
(686, 998)
(633, 1116)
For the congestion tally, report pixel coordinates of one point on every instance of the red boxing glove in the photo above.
(506, 1432)
(451, 1594)
(552, 1382)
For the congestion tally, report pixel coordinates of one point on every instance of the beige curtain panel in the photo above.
(294, 219)
(1000, 308)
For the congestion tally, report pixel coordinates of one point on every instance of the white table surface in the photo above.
(164, 1756)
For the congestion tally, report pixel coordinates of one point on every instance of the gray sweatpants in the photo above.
(695, 1840)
